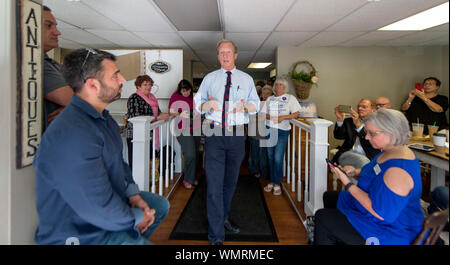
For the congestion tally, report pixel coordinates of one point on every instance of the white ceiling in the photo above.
(256, 26)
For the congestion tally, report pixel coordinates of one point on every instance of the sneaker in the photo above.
(309, 223)
(276, 190)
(187, 185)
(268, 187)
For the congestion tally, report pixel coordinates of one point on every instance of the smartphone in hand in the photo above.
(329, 163)
(344, 108)
(335, 166)
(419, 86)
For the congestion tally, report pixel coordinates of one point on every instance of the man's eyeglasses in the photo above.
(372, 134)
(381, 105)
(89, 51)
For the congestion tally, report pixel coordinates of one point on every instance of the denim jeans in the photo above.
(275, 155)
(154, 201)
(439, 199)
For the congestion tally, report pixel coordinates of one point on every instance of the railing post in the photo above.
(141, 150)
(318, 167)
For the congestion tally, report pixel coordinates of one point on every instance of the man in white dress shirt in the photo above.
(226, 97)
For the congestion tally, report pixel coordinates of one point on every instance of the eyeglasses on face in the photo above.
(372, 134)
(381, 104)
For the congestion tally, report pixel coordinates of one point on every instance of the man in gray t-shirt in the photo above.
(57, 93)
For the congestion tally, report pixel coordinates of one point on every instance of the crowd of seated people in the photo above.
(383, 205)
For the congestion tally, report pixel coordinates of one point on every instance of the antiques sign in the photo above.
(29, 81)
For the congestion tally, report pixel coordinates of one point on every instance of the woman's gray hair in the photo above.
(392, 122)
(282, 81)
(267, 87)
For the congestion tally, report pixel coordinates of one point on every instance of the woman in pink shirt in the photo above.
(181, 103)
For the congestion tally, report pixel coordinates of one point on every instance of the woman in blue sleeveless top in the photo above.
(384, 207)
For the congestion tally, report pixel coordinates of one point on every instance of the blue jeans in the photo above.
(439, 199)
(154, 201)
(276, 155)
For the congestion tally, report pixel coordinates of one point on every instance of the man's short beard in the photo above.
(105, 96)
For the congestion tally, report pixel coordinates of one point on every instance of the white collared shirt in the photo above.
(357, 147)
(242, 87)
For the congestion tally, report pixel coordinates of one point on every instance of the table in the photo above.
(439, 163)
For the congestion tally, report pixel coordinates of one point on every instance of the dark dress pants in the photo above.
(223, 158)
(332, 227)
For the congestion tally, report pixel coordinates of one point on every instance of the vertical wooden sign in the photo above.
(29, 81)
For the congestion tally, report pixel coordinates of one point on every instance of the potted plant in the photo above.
(303, 80)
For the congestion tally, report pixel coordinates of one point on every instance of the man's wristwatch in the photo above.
(348, 185)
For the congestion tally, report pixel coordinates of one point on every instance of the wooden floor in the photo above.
(288, 226)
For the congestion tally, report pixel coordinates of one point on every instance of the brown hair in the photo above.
(436, 81)
(141, 79)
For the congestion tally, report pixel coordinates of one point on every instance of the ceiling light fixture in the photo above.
(258, 65)
(427, 19)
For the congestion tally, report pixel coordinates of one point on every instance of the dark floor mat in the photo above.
(248, 210)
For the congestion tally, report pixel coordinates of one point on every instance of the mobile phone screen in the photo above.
(344, 108)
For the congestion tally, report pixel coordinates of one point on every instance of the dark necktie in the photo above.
(226, 97)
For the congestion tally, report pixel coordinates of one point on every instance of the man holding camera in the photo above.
(356, 151)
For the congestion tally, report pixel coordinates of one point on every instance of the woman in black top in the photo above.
(427, 106)
(142, 103)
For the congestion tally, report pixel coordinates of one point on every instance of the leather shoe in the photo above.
(217, 243)
(231, 228)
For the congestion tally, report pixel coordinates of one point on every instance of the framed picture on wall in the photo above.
(29, 81)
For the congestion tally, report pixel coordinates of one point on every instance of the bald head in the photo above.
(383, 103)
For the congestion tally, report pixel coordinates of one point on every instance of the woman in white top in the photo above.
(279, 109)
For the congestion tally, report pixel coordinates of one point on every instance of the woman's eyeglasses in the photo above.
(372, 134)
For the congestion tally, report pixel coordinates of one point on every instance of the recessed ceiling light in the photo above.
(427, 19)
(258, 65)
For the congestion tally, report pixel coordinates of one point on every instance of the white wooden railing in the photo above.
(142, 127)
(315, 167)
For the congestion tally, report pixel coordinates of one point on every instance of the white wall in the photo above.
(348, 74)
(167, 82)
(18, 217)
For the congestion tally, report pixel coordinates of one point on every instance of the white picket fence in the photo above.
(315, 167)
